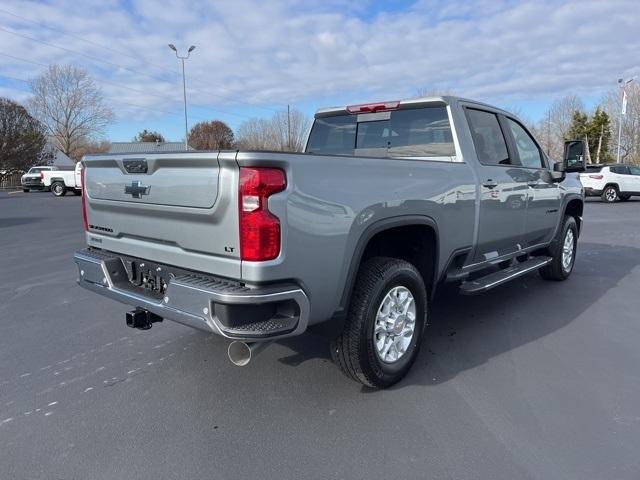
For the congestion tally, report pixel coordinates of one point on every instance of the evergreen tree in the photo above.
(596, 131)
(600, 136)
(149, 136)
(579, 126)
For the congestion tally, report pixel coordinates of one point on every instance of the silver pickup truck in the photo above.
(350, 239)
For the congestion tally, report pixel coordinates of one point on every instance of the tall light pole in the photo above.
(623, 83)
(184, 89)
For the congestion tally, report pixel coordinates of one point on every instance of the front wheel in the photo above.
(58, 189)
(564, 254)
(385, 325)
(610, 194)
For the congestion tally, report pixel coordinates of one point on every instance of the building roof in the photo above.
(146, 147)
(61, 160)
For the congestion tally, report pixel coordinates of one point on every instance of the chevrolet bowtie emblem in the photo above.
(136, 189)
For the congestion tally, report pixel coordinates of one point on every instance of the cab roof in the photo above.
(442, 99)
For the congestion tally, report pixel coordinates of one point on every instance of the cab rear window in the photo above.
(418, 132)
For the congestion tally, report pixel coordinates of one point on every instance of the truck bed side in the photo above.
(333, 203)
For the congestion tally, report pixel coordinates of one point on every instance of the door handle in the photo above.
(533, 183)
(490, 183)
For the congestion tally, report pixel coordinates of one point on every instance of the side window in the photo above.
(488, 138)
(528, 151)
(634, 170)
(620, 170)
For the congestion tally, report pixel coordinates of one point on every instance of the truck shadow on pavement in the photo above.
(466, 331)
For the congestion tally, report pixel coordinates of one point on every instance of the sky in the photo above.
(254, 58)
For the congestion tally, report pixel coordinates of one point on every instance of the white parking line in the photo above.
(11, 193)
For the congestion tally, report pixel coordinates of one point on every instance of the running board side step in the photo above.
(483, 284)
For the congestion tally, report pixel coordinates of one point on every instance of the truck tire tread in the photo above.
(554, 270)
(347, 349)
(54, 186)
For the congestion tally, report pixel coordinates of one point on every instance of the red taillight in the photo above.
(259, 228)
(85, 224)
(597, 177)
(374, 107)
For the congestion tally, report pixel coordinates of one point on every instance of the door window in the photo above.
(528, 151)
(634, 170)
(488, 139)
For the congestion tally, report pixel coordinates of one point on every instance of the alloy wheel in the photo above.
(567, 250)
(395, 324)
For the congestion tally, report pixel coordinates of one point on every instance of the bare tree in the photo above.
(22, 139)
(552, 130)
(255, 134)
(92, 147)
(214, 135)
(282, 132)
(68, 103)
(290, 130)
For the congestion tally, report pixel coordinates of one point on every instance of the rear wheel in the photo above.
(610, 194)
(564, 254)
(58, 189)
(385, 325)
(25, 190)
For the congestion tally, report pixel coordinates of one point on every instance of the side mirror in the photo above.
(574, 152)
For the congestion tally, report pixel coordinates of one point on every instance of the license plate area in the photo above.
(150, 277)
(147, 278)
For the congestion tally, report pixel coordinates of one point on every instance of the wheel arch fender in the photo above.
(572, 204)
(334, 325)
(380, 227)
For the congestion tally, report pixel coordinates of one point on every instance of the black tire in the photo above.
(58, 189)
(610, 194)
(25, 190)
(556, 270)
(354, 350)
(624, 197)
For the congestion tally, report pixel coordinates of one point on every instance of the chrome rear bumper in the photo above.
(201, 301)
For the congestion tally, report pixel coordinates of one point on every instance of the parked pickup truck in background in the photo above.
(62, 181)
(32, 180)
(350, 239)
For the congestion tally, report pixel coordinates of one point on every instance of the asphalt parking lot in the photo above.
(532, 380)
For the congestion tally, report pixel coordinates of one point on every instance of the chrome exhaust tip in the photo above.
(240, 353)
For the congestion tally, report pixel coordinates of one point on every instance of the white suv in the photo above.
(611, 182)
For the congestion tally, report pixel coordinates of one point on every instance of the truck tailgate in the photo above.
(176, 208)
